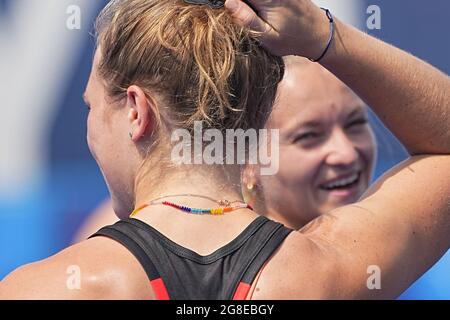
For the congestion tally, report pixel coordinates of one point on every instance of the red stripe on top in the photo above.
(242, 291)
(160, 289)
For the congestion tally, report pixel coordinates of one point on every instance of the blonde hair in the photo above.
(205, 67)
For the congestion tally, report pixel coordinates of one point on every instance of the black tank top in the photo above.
(178, 273)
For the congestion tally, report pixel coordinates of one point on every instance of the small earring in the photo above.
(250, 186)
(131, 135)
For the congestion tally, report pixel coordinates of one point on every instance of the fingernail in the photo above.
(232, 5)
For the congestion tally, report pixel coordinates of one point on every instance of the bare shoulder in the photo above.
(402, 215)
(301, 268)
(98, 268)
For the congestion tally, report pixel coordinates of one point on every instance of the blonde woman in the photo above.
(160, 65)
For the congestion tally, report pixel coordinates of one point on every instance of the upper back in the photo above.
(175, 272)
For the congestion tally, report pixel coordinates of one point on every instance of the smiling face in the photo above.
(327, 148)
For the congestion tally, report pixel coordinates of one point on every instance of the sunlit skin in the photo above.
(121, 157)
(107, 126)
(324, 136)
(403, 216)
(328, 137)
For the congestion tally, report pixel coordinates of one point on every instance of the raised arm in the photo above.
(409, 95)
(402, 224)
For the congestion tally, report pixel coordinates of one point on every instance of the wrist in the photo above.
(320, 32)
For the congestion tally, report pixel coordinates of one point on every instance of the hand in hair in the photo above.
(407, 93)
(287, 27)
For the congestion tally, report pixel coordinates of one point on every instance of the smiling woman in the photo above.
(327, 148)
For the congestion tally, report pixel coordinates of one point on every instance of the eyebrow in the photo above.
(293, 129)
(356, 110)
(313, 124)
(309, 124)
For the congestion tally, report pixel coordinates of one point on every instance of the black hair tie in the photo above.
(215, 4)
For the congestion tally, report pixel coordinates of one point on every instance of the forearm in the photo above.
(410, 96)
(404, 224)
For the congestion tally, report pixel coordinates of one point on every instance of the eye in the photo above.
(307, 137)
(357, 123)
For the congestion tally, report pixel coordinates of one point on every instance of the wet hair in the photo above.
(204, 66)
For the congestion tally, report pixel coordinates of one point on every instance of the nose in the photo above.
(341, 150)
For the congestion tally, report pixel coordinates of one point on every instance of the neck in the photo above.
(189, 181)
(201, 233)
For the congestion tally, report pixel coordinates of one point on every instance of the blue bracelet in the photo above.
(330, 40)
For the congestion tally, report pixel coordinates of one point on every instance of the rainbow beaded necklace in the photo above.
(225, 206)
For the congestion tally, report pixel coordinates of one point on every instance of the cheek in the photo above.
(97, 139)
(98, 143)
(90, 136)
(299, 167)
(367, 146)
(89, 132)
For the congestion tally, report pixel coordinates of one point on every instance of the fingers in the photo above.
(244, 16)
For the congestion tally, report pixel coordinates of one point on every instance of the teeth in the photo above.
(343, 182)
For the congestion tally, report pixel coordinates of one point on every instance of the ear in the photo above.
(141, 112)
(250, 176)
